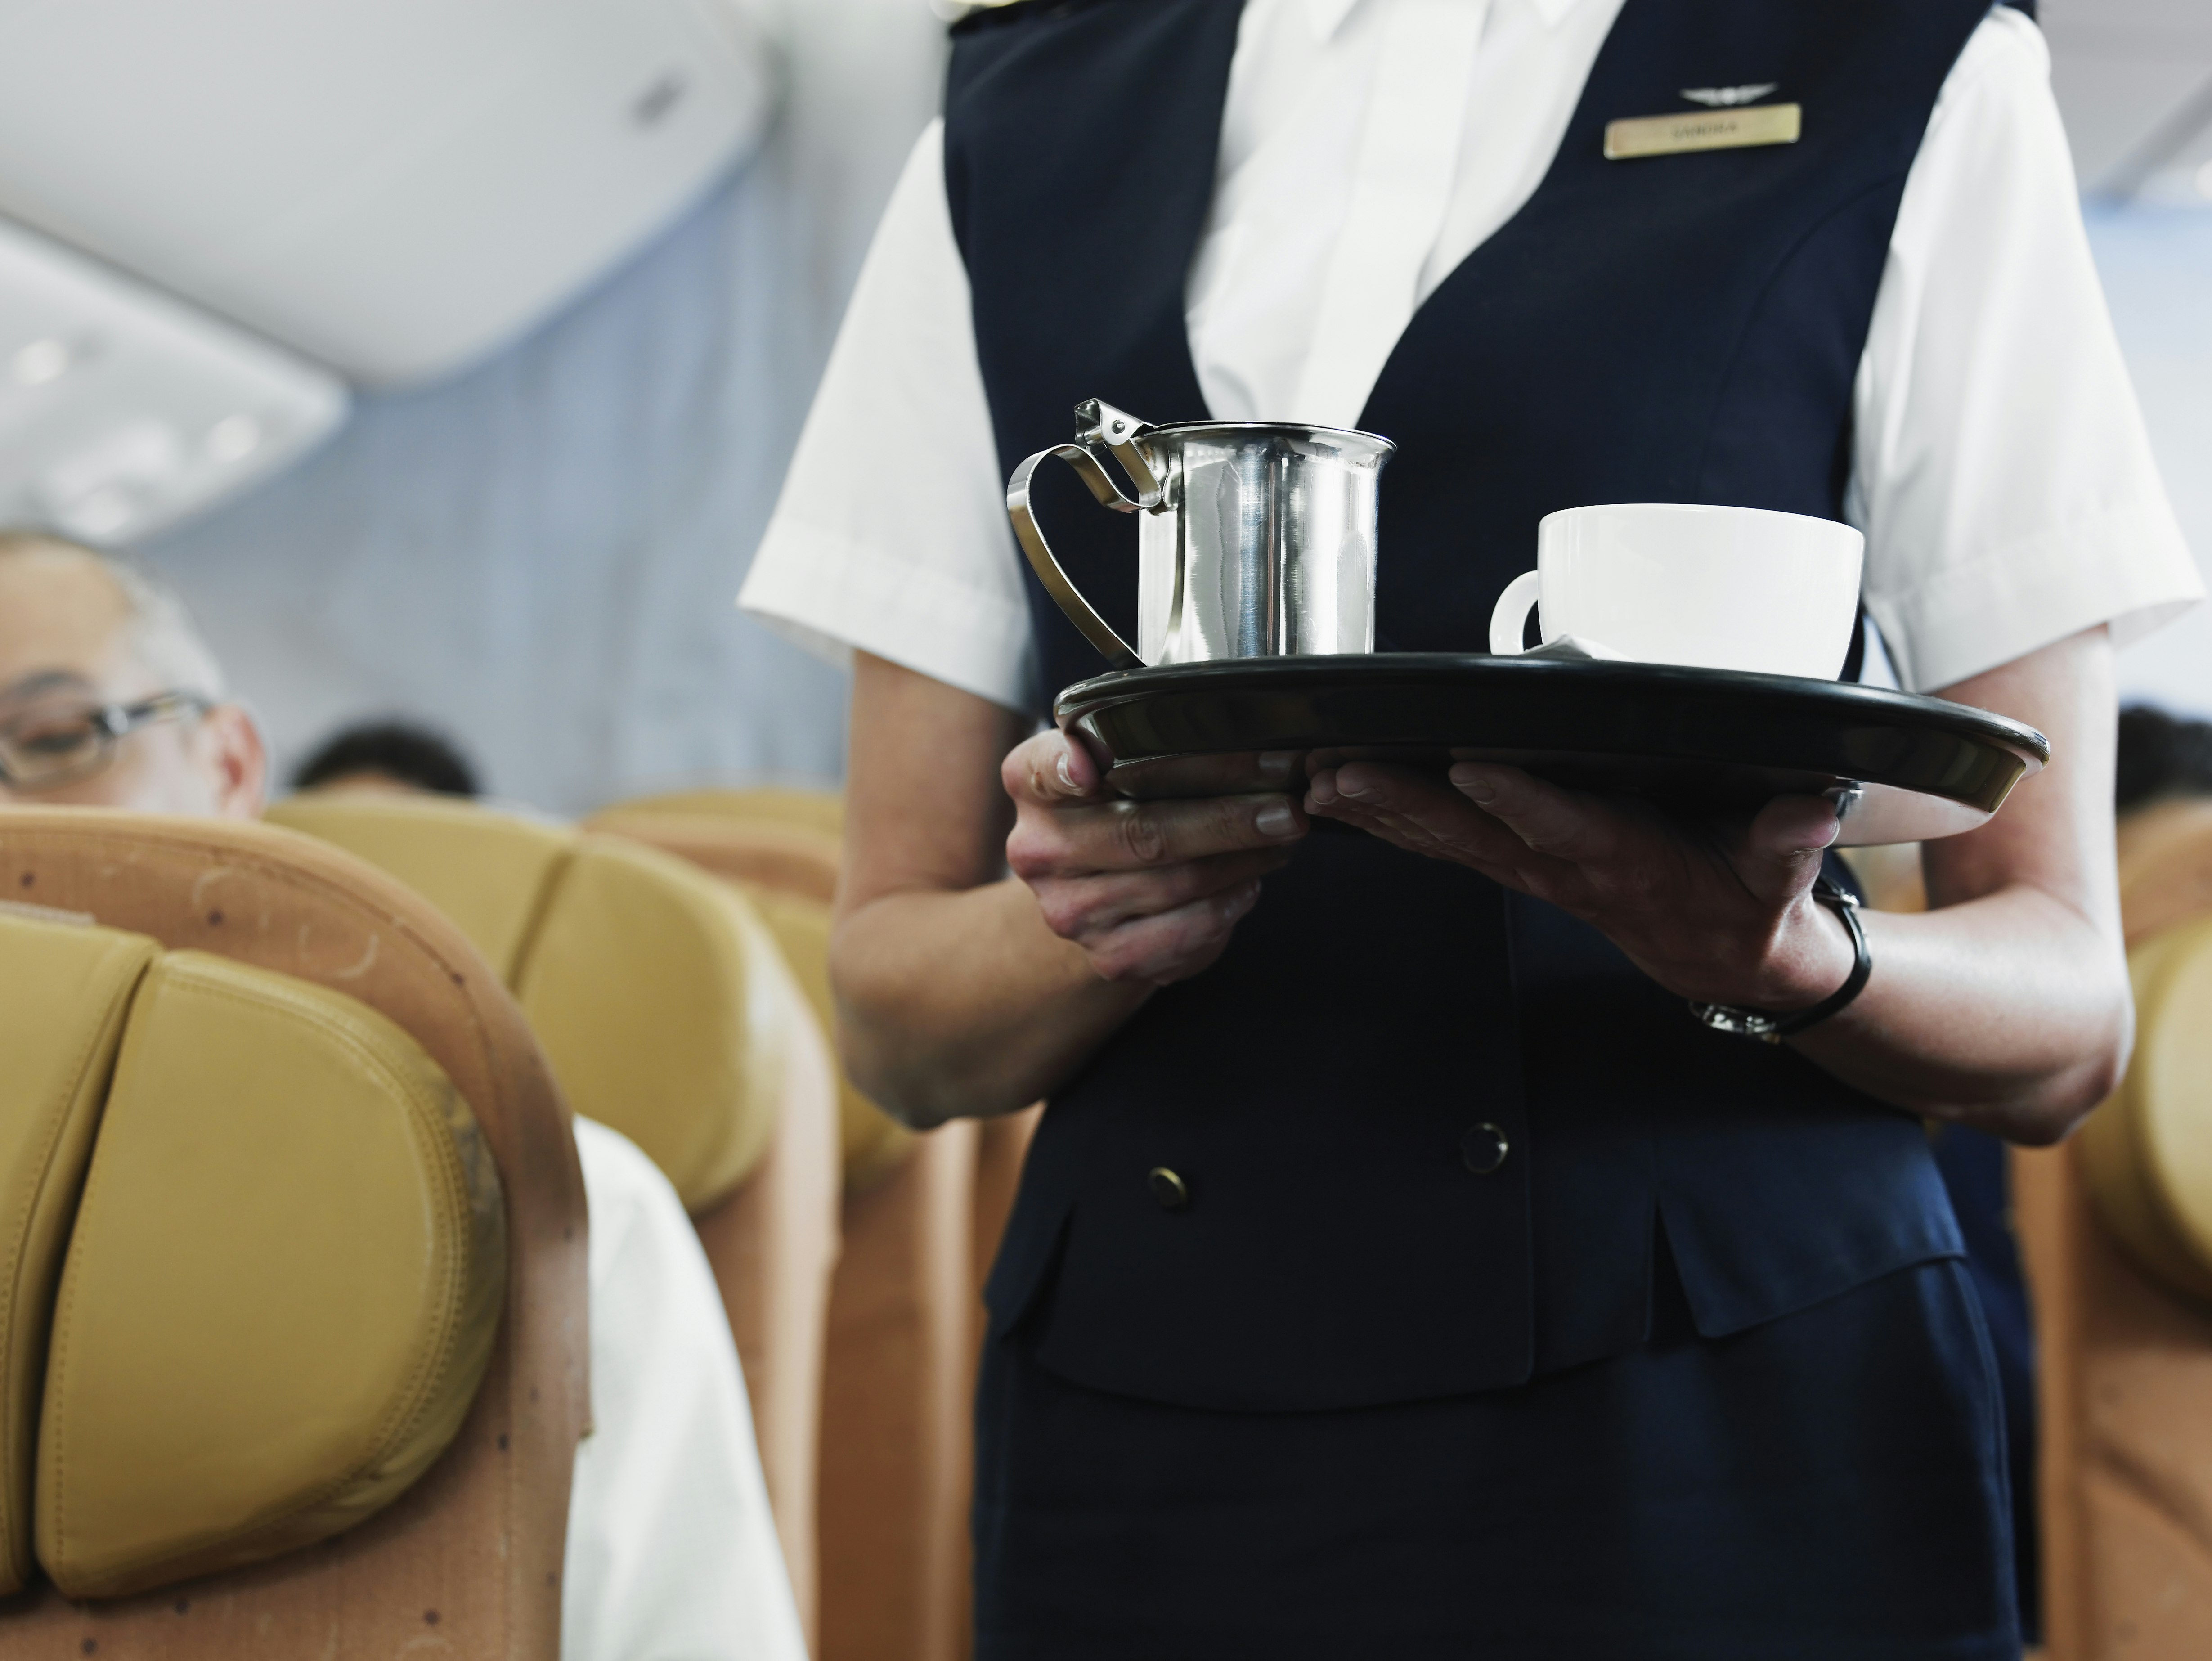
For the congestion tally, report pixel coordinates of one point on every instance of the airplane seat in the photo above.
(800, 806)
(895, 1436)
(2117, 1228)
(784, 856)
(663, 1003)
(783, 839)
(292, 1353)
(2165, 866)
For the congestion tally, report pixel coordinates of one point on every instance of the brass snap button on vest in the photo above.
(1169, 1190)
(1483, 1149)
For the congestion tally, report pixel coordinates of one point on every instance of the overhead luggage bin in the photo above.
(395, 187)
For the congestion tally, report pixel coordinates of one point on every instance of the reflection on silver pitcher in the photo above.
(1255, 538)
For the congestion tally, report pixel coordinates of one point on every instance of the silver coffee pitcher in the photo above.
(1255, 538)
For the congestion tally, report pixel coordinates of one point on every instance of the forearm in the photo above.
(964, 992)
(965, 1004)
(2006, 1005)
(2009, 1012)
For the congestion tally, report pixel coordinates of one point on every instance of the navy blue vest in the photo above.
(1678, 329)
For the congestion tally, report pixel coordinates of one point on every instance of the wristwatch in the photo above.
(1774, 1028)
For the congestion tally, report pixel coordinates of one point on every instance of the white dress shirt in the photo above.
(673, 1553)
(2001, 472)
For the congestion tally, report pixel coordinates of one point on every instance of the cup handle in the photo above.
(1112, 431)
(1509, 619)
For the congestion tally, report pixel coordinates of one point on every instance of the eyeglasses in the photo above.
(66, 739)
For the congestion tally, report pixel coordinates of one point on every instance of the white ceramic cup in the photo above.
(1707, 588)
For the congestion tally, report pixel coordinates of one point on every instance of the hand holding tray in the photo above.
(1705, 742)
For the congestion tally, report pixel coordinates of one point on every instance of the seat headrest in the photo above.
(284, 1276)
(68, 990)
(2147, 1152)
(490, 873)
(2165, 853)
(655, 992)
(821, 811)
(781, 848)
(873, 1143)
(661, 1001)
(767, 854)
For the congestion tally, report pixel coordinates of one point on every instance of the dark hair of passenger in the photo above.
(2161, 756)
(406, 754)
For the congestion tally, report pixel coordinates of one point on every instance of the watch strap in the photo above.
(1774, 1028)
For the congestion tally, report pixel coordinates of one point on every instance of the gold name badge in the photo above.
(1706, 129)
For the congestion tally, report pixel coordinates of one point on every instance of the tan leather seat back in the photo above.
(2146, 1154)
(68, 989)
(159, 1272)
(2113, 1229)
(283, 1283)
(902, 1333)
(669, 1014)
(656, 993)
(872, 1141)
(658, 996)
(2165, 866)
(490, 873)
(793, 858)
(785, 863)
(821, 811)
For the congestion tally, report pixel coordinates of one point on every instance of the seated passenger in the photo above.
(392, 757)
(109, 697)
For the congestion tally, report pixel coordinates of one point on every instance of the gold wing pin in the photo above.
(1727, 97)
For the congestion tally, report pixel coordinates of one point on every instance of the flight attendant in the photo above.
(1399, 1268)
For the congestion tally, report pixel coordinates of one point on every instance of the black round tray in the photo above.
(1710, 742)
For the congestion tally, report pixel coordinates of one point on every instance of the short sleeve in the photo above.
(2002, 474)
(672, 1550)
(892, 534)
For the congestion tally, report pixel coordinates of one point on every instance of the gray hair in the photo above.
(164, 640)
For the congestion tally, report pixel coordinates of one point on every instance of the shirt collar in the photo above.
(1326, 16)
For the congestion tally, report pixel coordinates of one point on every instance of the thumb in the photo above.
(1781, 851)
(1074, 769)
(1050, 768)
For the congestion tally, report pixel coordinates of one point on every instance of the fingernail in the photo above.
(1067, 772)
(1474, 786)
(1275, 764)
(1276, 819)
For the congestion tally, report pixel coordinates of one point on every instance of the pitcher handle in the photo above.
(1104, 430)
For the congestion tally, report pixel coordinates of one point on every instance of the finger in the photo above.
(1561, 823)
(1418, 811)
(1136, 836)
(1415, 838)
(1082, 908)
(1050, 769)
(1173, 945)
(1419, 802)
(1173, 776)
(1781, 851)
